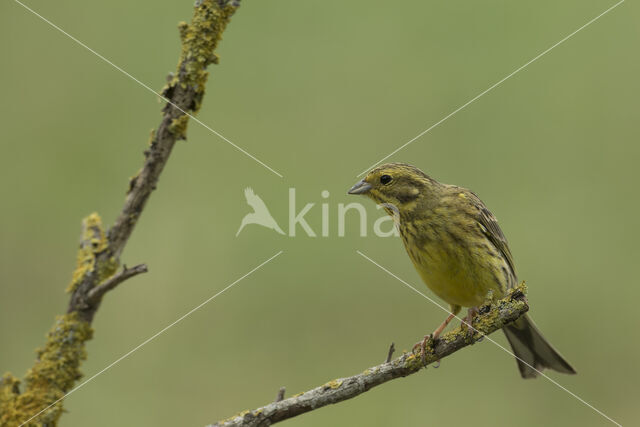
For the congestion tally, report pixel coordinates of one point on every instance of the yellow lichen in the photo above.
(52, 375)
(9, 389)
(93, 242)
(178, 126)
(199, 41)
(333, 384)
(484, 322)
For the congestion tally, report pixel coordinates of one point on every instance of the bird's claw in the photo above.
(422, 345)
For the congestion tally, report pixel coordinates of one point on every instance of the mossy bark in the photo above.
(53, 374)
(56, 369)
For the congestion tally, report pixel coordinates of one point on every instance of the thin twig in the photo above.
(501, 313)
(392, 349)
(96, 293)
(280, 395)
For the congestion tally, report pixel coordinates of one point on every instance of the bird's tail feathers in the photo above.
(534, 353)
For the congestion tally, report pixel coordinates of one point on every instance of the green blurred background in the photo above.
(319, 91)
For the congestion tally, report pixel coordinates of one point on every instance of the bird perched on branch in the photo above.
(461, 254)
(260, 214)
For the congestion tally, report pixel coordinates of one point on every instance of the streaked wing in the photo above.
(494, 233)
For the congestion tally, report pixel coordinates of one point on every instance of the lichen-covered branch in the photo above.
(184, 92)
(57, 366)
(53, 374)
(491, 318)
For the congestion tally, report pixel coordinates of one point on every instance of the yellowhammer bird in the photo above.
(460, 252)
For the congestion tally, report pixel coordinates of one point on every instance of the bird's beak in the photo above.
(361, 187)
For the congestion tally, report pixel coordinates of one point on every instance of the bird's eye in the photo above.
(385, 179)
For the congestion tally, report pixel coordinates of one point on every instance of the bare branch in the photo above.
(500, 313)
(96, 293)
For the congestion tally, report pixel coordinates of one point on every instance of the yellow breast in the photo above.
(459, 274)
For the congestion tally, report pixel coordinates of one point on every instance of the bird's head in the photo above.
(397, 184)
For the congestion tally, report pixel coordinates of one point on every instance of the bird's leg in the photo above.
(422, 345)
(467, 322)
(444, 324)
